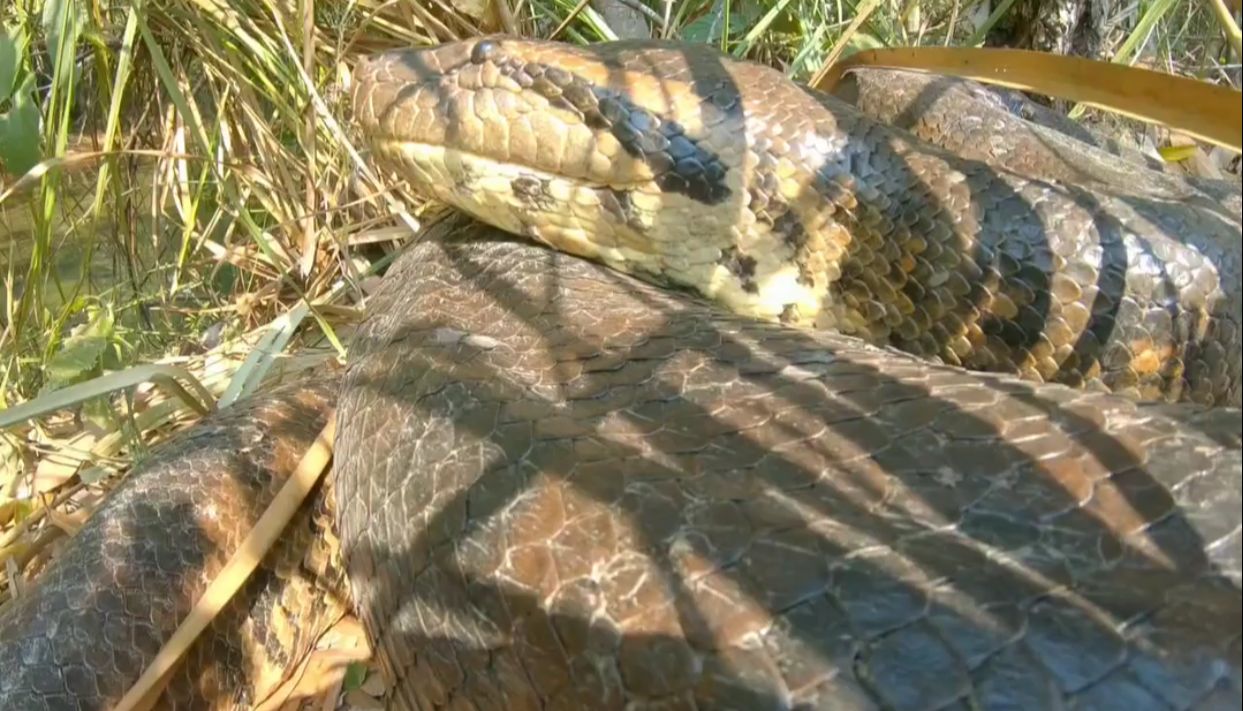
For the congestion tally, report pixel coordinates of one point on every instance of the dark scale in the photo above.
(724, 97)
(464, 182)
(483, 51)
(679, 163)
(533, 191)
(789, 314)
(740, 265)
(790, 228)
(806, 277)
(620, 207)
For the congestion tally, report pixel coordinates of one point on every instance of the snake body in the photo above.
(557, 485)
(569, 489)
(996, 133)
(679, 164)
(100, 612)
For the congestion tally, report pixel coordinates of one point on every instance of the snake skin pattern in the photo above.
(99, 614)
(558, 486)
(678, 164)
(930, 107)
(561, 487)
(565, 488)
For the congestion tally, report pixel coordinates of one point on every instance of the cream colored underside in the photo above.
(668, 237)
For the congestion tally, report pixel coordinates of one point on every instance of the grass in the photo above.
(202, 198)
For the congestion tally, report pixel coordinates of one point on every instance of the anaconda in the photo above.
(559, 486)
(677, 163)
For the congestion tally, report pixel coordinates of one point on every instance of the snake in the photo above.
(722, 177)
(603, 443)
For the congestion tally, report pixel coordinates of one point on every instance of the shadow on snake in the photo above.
(1104, 313)
(885, 611)
(891, 639)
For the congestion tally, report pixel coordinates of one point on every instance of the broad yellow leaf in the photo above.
(1206, 111)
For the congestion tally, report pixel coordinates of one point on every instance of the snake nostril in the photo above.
(482, 51)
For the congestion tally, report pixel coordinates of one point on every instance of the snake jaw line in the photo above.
(568, 215)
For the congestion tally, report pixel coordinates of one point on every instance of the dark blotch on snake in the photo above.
(679, 164)
(533, 191)
(742, 266)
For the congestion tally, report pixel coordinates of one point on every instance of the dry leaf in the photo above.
(61, 463)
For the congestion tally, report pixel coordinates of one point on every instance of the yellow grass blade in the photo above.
(1173, 154)
(235, 573)
(1205, 111)
(861, 16)
(1226, 18)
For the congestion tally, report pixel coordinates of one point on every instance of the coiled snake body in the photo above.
(678, 164)
(559, 486)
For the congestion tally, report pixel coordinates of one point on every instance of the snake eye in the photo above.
(482, 51)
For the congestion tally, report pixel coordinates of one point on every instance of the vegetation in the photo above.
(177, 185)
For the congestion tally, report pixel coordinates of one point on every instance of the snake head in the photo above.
(634, 153)
(620, 116)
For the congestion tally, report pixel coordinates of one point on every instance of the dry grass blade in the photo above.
(251, 373)
(1206, 111)
(310, 237)
(861, 16)
(166, 376)
(268, 528)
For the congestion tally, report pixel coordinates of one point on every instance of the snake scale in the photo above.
(675, 163)
(558, 485)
